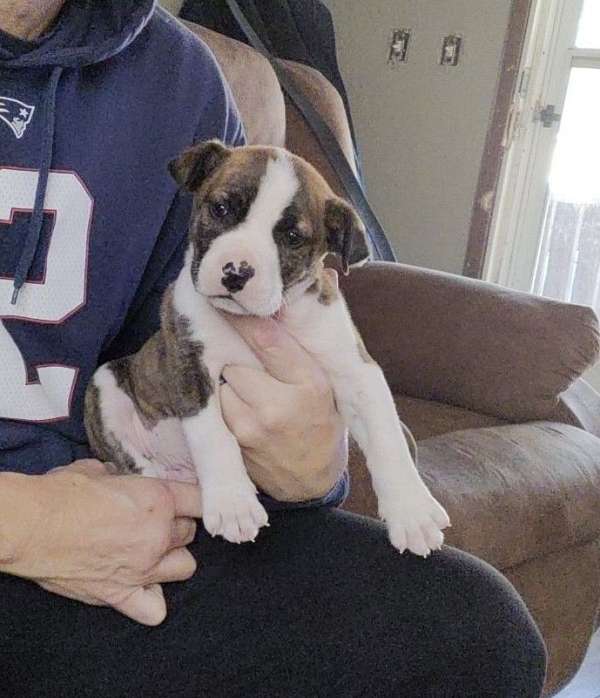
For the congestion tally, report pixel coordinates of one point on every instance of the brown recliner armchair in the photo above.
(487, 379)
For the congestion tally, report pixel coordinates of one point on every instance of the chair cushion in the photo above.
(513, 493)
(516, 492)
(426, 418)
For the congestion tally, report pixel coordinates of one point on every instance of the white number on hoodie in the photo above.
(60, 293)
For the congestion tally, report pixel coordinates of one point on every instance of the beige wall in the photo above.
(422, 126)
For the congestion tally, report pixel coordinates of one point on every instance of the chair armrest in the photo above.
(469, 343)
(581, 403)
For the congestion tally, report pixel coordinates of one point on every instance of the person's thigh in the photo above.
(320, 605)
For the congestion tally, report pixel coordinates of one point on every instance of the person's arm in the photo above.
(107, 540)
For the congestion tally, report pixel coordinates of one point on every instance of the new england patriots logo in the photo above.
(16, 115)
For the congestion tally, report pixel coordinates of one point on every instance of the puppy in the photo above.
(262, 222)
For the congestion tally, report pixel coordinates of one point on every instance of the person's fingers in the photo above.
(62, 590)
(145, 605)
(252, 385)
(89, 467)
(240, 418)
(186, 498)
(183, 530)
(281, 355)
(176, 566)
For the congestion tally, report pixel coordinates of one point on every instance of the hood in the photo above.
(86, 32)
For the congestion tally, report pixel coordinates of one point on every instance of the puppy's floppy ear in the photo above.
(346, 235)
(197, 163)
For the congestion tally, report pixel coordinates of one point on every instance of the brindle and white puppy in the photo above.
(262, 222)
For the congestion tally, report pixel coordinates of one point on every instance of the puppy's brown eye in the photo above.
(219, 209)
(293, 238)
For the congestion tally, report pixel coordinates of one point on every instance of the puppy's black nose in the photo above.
(234, 279)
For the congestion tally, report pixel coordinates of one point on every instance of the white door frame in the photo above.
(517, 222)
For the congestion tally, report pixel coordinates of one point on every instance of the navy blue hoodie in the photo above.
(92, 229)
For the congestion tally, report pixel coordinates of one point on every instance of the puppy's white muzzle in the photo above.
(242, 278)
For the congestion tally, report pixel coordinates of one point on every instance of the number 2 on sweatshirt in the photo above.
(51, 300)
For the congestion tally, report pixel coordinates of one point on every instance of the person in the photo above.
(107, 586)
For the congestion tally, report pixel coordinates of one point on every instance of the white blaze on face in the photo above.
(252, 241)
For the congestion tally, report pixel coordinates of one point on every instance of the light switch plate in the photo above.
(398, 52)
(451, 49)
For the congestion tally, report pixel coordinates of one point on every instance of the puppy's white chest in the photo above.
(224, 346)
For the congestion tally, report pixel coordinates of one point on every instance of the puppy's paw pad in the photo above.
(433, 536)
(212, 521)
(415, 522)
(237, 516)
(408, 537)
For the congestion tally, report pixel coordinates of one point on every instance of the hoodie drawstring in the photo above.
(37, 217)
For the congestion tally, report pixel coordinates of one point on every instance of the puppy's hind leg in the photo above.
(109, 421)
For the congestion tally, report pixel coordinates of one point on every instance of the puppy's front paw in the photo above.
(235, 514)
(414, 518)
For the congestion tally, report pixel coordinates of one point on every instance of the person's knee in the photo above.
(470, 630)
(536, 650)
(505, 640)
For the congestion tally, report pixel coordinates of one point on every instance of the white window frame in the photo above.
(548, 56)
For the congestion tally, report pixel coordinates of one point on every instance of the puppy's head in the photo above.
(262, 221)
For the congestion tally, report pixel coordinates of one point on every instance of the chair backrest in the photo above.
(268, 117)
(327, 101)
(254, 86)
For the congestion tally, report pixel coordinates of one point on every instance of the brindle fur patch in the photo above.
(235, 183)
(142, 377)
(166, 378)
(306, 215)
(190, 385)
(104, 444)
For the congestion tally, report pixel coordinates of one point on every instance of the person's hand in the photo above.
(108, 540)
(284, 418)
